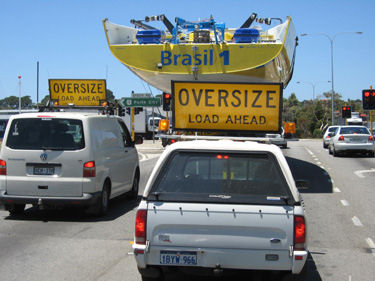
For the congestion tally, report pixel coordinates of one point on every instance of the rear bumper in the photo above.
(86, 199)
(354, 147)
(226, 258)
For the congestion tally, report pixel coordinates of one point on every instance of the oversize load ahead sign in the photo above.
(80, 92)
(227, 106)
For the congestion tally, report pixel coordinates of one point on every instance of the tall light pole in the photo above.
(331, 39)
(313, 85)
(19, 94)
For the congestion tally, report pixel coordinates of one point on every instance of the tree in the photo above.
(44, 100)
(26, 102)
(109, 95)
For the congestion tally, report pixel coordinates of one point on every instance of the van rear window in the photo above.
(221, 177)
(46, 133)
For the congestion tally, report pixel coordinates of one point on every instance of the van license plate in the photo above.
(178, 258)
(44, 170)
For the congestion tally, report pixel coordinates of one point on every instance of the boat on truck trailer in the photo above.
(205, 50)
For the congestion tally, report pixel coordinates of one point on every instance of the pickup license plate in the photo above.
(178, 258)
(44, 170)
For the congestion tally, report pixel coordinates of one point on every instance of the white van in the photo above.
(66, 158)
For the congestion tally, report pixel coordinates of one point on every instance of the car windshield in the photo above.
(332, 129)
(221, 176)
(46, 133)
(353, 130)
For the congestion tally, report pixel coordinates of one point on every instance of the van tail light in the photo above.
(299, 233)
(140, 227)
(370, 138)
(3, 167)
(89, 170)
(341, 138)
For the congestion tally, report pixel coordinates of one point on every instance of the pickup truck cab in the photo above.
(220, 205)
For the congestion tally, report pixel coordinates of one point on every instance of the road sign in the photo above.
(140, 102)
(140, 95)
(80, 92)
(227, 106)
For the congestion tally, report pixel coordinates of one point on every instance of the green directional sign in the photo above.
(139, 102)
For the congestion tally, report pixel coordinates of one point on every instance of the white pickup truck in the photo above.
(221, 205)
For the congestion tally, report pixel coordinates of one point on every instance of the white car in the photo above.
(213, 206)
(62, 158)
(277, 139)
(357, 139)
(326, 136)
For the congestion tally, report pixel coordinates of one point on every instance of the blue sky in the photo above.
(68, 40)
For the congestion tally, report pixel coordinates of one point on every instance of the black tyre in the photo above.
(334, 152)
(371, 154)
(329, 150)
(134, 192)
(325, 145)
(101, 206)
(15, 209)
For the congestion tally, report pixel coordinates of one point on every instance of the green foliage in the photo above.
(311, 116)
(110, 96)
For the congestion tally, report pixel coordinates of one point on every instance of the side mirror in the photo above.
(302, 184)
(138, 140)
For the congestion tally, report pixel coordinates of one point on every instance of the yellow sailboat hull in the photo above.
(159, 64)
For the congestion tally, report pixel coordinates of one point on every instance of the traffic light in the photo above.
(368, 99)
(167, 101)
(138, 109)
(128, 110)
(346, 111)
(121, 111)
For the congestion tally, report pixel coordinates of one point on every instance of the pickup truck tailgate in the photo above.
(248, 232)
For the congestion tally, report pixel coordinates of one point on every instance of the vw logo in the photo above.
(43, 156)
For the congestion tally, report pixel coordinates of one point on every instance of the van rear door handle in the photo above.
(275, 240)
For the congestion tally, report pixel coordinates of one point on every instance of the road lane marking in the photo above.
(143, 157)
(309, 151)
(371, 244)
(321, 166)
(319, 163)
(356, 221)
(360, 172)
(344, 203)
(336, 189)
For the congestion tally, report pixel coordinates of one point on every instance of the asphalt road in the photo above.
(70, 245)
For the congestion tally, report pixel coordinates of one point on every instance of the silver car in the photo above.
(326, 136)
(277, 139)
(351, 139)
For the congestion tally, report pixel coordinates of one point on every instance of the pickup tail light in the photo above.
(3, 167)
(299, 233)
(370, 138)
(89, 170)
(341, 138)
(140, 227)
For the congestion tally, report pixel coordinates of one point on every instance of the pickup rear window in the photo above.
(46, 133)
(190, 176)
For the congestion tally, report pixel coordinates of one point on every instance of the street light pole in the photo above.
(331, 39)
(313, 85)
(19, 94)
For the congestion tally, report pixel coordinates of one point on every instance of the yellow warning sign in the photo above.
(79, 92)
(227, 106)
